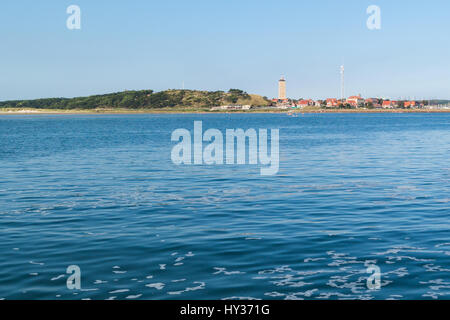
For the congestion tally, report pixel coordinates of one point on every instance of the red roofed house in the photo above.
(355, 101)
(332, 103)
(410, 104)
(386, 104)
(305, 103)
(374, 102)
(390, 104)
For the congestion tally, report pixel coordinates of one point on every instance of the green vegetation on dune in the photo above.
(143, 99)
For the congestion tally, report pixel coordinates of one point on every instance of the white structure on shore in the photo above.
(232, 107)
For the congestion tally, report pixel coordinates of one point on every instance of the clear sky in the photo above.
(218, 45)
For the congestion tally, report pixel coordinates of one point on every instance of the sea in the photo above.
(359, 209)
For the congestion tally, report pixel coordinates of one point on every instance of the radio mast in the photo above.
(342, 82)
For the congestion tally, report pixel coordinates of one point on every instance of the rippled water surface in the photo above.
(101, 192)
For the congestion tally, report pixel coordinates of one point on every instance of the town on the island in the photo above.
(352, 102)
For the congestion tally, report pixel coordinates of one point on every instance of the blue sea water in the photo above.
(101, 192)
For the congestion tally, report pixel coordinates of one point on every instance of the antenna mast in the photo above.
(342, 82)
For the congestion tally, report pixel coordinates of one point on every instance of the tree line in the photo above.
(143, 99)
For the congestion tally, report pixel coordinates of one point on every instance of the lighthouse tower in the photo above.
(282, 89)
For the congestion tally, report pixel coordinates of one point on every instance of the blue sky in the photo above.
(218, 45)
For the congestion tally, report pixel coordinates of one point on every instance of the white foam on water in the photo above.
(100, 281)
(240, 298)
(313, 259)
(445, 244)
(291, 281)
(437, 285)
(274, 294)
(87, 290)
(158, 285)
(201, 286)
(225, 272)
(173, 293)
(119, 291)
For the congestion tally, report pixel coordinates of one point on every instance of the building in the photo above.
(410, 104)
(355, 101)
(387, 104)
(232, 107)
(305, 103)
(374, 102)
(332, 103)
(282, 89)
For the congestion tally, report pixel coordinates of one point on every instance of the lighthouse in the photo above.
(282, 89)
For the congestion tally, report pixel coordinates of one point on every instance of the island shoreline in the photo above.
(255, 111)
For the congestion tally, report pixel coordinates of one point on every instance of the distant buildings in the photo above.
(231, 107)
(352, 102)
(373, 102)
(410, 104)
(356, 101)
(305, 103)
(387, 104)
(332, 102)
